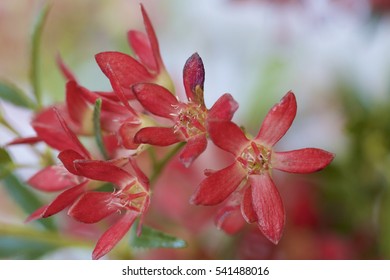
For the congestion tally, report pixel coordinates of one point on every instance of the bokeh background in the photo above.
(334, 55)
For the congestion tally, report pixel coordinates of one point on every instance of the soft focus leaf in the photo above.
(14, 95)
(19, 248)
(384, 228)
(6, 165)
(97, 128)
(152, 238)
(25, 198)
(35, 52)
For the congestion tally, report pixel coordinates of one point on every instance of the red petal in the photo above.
(140, 44)
(67, 158)
(112, 95)
(268, 206)
(52, 179)
(138, 172)
(229, 219)
(25, 140)
(156, 99)
(159, 136)
(152, 39)
(247, 210)
(278, 120)
(301, 161)
(49, 129)
(92, 207)
(219, 185)
(113, 235)
(104, 171)
(111, 143)
(223, 108)
(64, 199)
(194, 147)
(115, 83)
(193, 76)
(127, 132)
(228, 136)
(107, 104)
(127, 70)
(37, 214)
(65, 70)
(76, 144)
(75, 103)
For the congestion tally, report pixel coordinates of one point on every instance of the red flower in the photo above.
(117, 120)
(77, 180)
(55, 132)
(131, 197)
(148, 68)
(255, 159)
(190, 119)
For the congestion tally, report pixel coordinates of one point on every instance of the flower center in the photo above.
(130, 198)
(255, 159)
(190, 120)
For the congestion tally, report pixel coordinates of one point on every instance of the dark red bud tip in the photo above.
(193, 78)
(194, 72)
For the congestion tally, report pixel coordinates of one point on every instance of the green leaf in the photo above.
(14, 95)
(97, 128)
(35, 54)
(152, 238)
(25, 198)
(384, 224)
(6, 164)
(22, 249)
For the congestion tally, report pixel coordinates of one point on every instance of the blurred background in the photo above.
(333, 54)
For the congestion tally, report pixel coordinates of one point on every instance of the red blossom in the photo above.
(77, 181)
(146, 67)
(131, 197)
(254, 161)
(190, 119)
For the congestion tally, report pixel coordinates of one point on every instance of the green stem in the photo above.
(97, 128)
(35, 55)
(160, 165)
(8, 126)
(152, 155)
(47, 237)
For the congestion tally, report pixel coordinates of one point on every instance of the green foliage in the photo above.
(35, 53)
(6, 164)
(20, 248)
(25, 198)
(266, 92)
(14, 95)
(356, 185)
(97, 128)
(152, 238)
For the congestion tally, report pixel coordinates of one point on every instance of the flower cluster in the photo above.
(141, 112)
